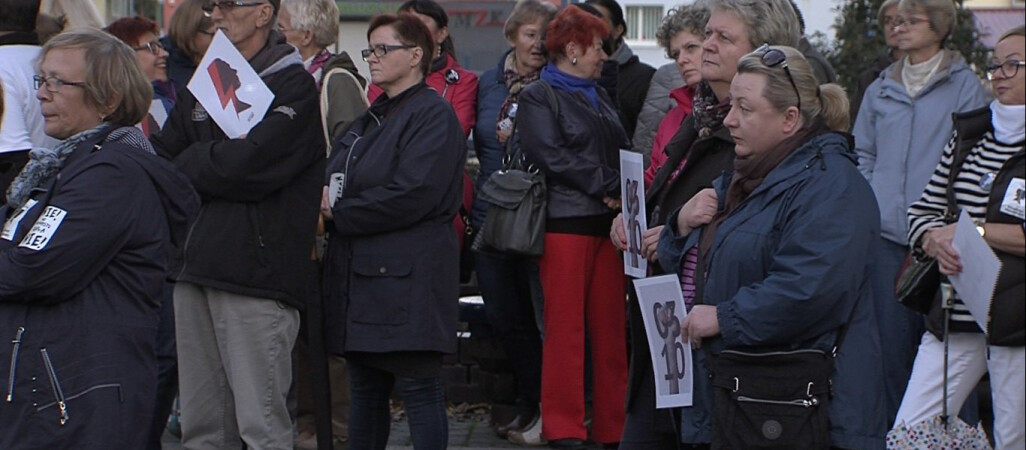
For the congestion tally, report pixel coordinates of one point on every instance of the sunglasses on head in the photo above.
(772, 57)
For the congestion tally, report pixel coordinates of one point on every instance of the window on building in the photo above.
(643, 22)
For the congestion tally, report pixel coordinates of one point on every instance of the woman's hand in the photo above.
(618, 234)
(936, 242)
(611, 203)
(650, 242)
(700, 323)
(325, 204)
(697, 212)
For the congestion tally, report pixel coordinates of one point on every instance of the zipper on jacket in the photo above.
(14, 363)
(58, 393)
(185, 246)
(797, 402)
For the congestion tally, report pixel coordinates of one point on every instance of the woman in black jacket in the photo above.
(578, 151)
(390, 277)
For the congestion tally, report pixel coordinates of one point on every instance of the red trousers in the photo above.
(582, 278)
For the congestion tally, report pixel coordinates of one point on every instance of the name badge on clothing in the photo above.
(11, 226)
(44, 228)
(1014, 203)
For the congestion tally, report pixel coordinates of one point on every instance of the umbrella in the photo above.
(942, 432)
(936, 434)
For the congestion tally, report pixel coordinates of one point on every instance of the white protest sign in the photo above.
(662, 309)
(229, 89)
(632, 196)
(980, 267)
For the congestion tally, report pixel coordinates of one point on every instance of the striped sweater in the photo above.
(972, 190)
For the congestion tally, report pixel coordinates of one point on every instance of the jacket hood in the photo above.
(180, 201)
(344, 61)
(275, 56)
(623, 54)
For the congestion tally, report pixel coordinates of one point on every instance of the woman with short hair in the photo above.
(88, 231)
(900, 132)
(576, 146)
(141, 34)
(510, 285)
(392, 189)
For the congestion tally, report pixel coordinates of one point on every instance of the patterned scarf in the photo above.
(44, 163)
(708, 110)
(515, 83)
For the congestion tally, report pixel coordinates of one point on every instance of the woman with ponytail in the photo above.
(782, 245)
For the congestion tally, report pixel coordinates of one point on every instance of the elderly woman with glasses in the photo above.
(782, 246)
(88, 230)
(390, 282)
(986, 153)
(902, 126)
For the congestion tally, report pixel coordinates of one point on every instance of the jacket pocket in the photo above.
(58, 391)
(380, 290)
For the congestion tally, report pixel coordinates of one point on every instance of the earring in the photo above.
(574, 61)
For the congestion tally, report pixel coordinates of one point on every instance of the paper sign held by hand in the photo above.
(229, 89)
(632, 196)
(662, 310)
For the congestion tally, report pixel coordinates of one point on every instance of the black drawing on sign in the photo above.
(673, 350)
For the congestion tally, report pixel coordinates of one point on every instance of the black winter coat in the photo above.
(578, 151)
(81, 278)
(391, 272)
(261, 193)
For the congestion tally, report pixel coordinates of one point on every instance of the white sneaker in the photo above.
(532, 435)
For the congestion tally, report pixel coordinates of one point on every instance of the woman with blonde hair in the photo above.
(89, 228)
(782, 245)
(188, 35)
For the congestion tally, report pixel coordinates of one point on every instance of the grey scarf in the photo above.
(45, 163)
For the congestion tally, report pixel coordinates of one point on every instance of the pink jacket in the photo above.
(668, 127)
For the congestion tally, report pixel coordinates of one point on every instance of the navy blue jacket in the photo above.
(491, 93)
(787, 266)
(80, 286)
(391, 278)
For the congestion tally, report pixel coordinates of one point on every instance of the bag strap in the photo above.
(513, 155)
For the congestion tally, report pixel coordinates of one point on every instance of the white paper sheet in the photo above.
(662, 309)
(980, 267)
(229, 89)
(632, 194)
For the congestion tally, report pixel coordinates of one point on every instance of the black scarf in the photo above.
(708, 110)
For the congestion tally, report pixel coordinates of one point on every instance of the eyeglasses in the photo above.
(54, 84)
(910, 21)
(1009, 68)
(154, 47)
(772, 57)
(890, 21)
(381, 50)
(226, 6)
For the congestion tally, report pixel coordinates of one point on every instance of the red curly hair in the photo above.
(130, 29)
(573, 24)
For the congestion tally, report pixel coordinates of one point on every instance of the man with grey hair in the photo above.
(245, 270)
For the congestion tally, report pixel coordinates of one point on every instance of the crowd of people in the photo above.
(284, 282)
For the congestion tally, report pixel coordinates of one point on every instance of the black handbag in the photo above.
(775, 400)
(515, 222)
(918, 282)
(919, 277)
(517, 201)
